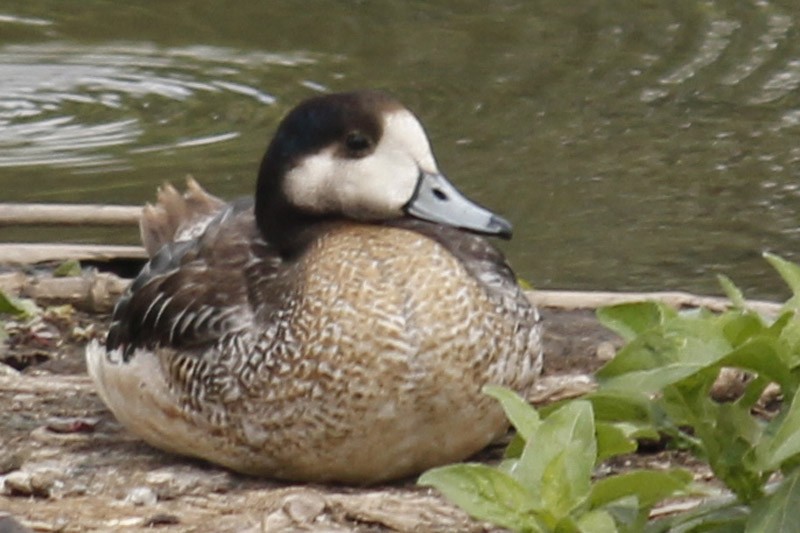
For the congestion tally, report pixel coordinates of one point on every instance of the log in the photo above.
(69, 214)
(677, 299)
(100, 290)
(94, 291)
(28, 253)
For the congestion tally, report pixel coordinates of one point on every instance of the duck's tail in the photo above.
(176, 214)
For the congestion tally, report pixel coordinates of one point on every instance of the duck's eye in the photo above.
(357, 143)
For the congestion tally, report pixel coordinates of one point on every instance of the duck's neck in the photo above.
(281, 224)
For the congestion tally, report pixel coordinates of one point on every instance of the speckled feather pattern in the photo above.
(362, 360)
(278, 336)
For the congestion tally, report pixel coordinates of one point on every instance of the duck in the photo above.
(339, 327)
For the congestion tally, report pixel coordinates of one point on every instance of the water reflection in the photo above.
(634, 145)
(62, 105)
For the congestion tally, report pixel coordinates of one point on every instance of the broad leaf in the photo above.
(648, 486)
(777, 513)
(632, 319)
(17, 306)
(520, 413)
(486, 494)
(784, 442)
(597, 522)
(567, 437)
(612, 440)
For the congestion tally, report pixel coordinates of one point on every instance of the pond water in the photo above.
(635, 145)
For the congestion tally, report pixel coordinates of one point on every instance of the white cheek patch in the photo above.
(308, 185)
(402, 131)
(373, 187)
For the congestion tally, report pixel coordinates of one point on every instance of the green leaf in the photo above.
(486, 494)
(715, 517)
(680, 347)
(520, 413)
(739, 326)
(612, 441)
(777, 513)
(515, 447)
(784, 441)
(524, 284)
(597, 522)
(790, 274)
(68, 268)
(559, 490)
(761, 355)
(631, 319)
(21, 307)
(566, 439)
(621, 405)
(732, 291)
(648, 486)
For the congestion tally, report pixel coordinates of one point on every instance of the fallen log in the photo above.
(95, 291)
(677, 299)
(30, 253)
(98, 291)
(69, 214)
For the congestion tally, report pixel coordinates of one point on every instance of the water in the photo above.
(635, 145)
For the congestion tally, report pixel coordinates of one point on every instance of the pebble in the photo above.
(142, 496)
(72, 424)
(18, 484)
(11, 461)
(40, 483)
(606, 351)
(303, 508)
(10, 371)
(170, 483)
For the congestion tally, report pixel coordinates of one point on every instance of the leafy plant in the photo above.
(658, 385)
(545, 482)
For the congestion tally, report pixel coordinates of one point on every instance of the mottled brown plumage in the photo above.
(346, 350)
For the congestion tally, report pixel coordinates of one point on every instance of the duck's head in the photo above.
(362, 156)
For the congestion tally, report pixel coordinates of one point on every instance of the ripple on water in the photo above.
(65, 105)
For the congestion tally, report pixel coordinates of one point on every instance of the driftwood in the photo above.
(98, 291)
(26, 254)
(69, 214)
(677, 299)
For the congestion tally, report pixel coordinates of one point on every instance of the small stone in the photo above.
(18, 484)
(43, 482)
(277, 521)
(303, 508)
(606, 351)
(141, 496)
(10, 371)
(11, 461)
(72, 424)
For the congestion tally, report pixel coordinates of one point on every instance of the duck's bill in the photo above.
(437, 200)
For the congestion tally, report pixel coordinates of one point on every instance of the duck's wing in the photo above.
(195, 291)
(177, 216)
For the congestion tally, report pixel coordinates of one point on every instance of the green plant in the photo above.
(672, 360)
(657, 385)
(545, 481)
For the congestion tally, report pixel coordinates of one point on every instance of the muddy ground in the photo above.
(67, 465)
